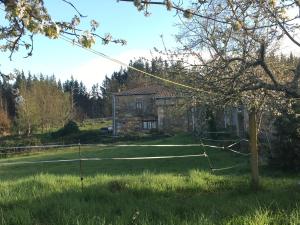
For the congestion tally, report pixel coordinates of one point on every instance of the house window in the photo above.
(148, 125)
(139, 104)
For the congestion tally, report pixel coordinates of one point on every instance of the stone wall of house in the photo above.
(172, 115)
(129, 124)
(130, 116)
(169, 114)
(177, 120)
(126, 106)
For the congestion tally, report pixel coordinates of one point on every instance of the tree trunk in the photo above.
(28, 130)
(253, 149)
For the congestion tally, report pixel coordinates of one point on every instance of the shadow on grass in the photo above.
(148, 199)
(108, 167)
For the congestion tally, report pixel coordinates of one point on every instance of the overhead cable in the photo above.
(76, 43)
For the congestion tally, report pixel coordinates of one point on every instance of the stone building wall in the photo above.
(132, 110)
(168, 113)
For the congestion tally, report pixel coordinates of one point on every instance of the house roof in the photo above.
(158, 91)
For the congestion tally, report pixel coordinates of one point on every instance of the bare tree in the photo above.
(233, 44)
(235, 38)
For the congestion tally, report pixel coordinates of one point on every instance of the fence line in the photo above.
(37, 146)
(99, 145)
(237, 152)
(119, 145)
(246, 140)
(19, 148)
(213, 146)
(222, 140)
(229, 147)
(102, 158)
(26, 149)
(229, 167)
(80, 159)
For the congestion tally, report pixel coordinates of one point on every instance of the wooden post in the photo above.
(253, 149)
(114, 115)
(80, 166)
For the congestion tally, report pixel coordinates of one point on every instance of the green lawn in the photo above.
(95, 124)
(89, 133)
(163, 191)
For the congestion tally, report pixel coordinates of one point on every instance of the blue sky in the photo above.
(121, 19)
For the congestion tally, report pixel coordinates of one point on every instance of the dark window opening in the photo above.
(139, 105)
(148, 125)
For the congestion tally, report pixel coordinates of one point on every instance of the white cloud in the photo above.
(287, 46)
(94, 71)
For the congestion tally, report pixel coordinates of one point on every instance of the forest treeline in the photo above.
(44, 102)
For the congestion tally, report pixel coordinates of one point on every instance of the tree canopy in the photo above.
(233, 48)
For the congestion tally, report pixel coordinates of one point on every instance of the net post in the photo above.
(206, 156)
(80, 165)
(209, 162)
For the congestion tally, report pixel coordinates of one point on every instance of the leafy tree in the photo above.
(286, 151)
(5, 123)
(96, 102)
(27, 111)
(85, 104)
(43, 106)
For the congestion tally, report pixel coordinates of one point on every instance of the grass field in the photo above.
(162, 191)
(89, 133)
(95, 124)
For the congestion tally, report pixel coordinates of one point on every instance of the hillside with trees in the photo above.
(39, 102)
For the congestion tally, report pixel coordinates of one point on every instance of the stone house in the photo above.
(160, 108)
(148, 108)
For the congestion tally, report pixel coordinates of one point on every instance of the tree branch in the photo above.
(179, 9)
(31, 47)
(16, 41)
(290, 92)
(74, 7)
(283, 27)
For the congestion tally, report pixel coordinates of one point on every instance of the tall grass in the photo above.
(165, 191)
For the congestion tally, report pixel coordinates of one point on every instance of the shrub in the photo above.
(70, 128)
(286, 153)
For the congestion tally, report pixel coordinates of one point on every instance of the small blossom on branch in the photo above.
(87, 39)
(94, 25)
(107, 38)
